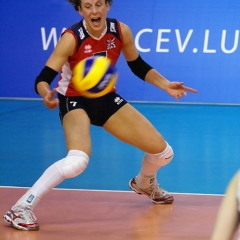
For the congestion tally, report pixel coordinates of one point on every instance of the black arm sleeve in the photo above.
(139, 67)
(46, 75)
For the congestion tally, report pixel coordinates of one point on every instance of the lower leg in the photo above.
(69, 167)
(146, 183)
(151, 163)
(49, 179)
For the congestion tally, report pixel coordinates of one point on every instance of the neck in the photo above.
(95, 36)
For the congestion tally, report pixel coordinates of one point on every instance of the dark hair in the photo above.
(77, 3)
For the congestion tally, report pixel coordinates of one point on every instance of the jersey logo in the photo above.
(112, 27)
(111, 43)
(81, 33)
(30, 198)
(88, 48)
(73, 103)
(118, 100)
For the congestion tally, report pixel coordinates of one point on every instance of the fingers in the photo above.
(49, 100)
(53, 104)
(189, 89)
(179, 94)
(52, 93)
(177, 90)
(180, 85)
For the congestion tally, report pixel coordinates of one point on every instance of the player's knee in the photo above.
(161, 159)
(74, 163)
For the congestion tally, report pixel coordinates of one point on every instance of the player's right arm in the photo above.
(63, 50)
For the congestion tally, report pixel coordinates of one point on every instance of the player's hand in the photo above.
(49, 100)
(177, 90)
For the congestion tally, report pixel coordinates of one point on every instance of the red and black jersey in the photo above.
(108, 45)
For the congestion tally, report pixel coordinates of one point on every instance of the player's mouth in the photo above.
(96, 21)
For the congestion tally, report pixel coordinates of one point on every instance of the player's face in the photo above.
(94, 12)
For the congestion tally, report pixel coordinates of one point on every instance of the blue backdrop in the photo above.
(192, 41)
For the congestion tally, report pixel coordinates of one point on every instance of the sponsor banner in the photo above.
(197, 42)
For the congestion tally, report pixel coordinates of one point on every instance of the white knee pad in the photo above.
(73, 164)
(161, 159)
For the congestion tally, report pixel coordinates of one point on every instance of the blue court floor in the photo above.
(205, 139)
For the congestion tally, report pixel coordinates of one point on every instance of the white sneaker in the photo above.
(22, 218)
(154, 191)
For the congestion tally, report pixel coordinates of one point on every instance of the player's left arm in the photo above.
(144, 71)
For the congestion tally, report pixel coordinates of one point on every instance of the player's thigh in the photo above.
(130, 126)
(76, 126)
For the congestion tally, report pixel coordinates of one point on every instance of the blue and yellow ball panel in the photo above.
(88, 64)
(94, 77)
(104, 81)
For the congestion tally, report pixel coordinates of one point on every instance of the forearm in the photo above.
(43, 88)
(155, 78)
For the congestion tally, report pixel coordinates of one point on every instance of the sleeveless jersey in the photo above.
(109, 45)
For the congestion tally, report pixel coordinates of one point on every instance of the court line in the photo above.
(94, 190)
(145, 102)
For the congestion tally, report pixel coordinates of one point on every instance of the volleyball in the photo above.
(94, 76)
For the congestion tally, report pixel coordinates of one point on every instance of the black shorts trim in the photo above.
(99, 110)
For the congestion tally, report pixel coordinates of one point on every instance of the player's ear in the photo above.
(108, 6)
(80, 10)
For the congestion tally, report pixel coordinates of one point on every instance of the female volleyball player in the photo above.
(96, 34)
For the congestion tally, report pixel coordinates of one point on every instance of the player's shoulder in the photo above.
(234, 184)
(126, 32)
(76, 29)
(237, 176)
(76, 25)
(125, 28)
(122, 25)
(238, 182)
